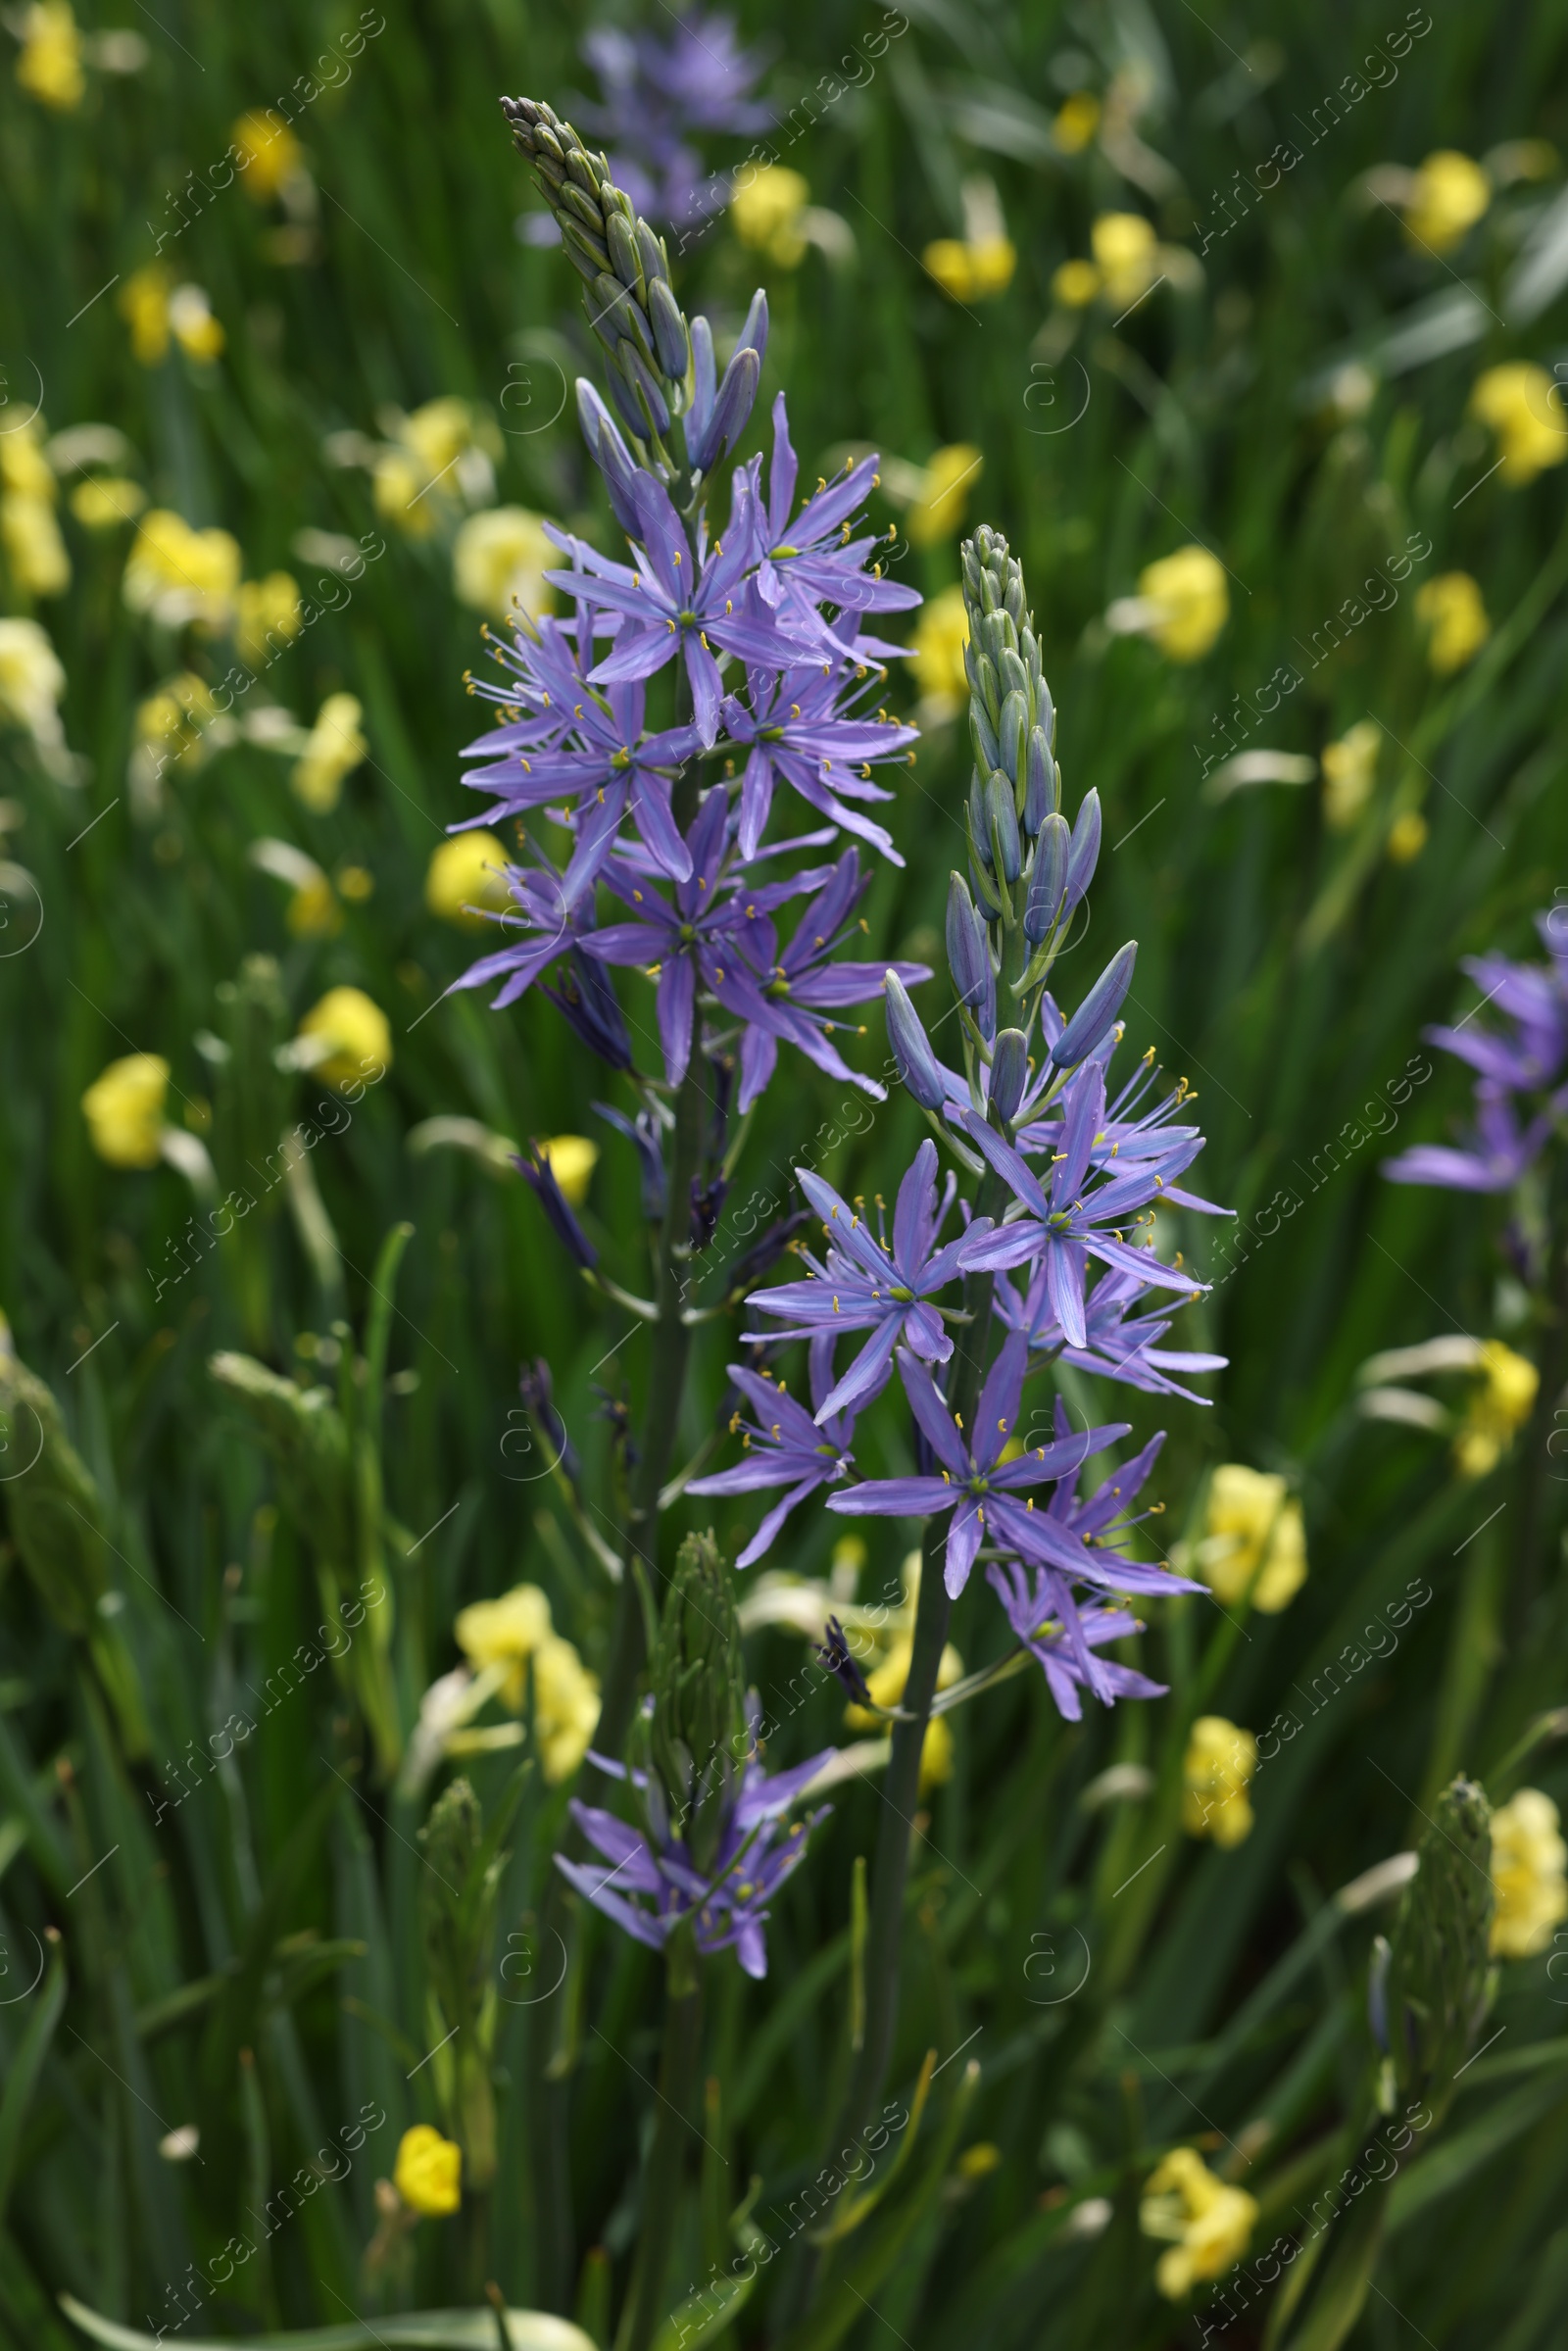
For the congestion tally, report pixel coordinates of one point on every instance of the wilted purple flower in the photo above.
(839, 1661)
(652, 1883)
(784, 1445)
(536, 1172)
(872, 1285)
(1067, 1223)
(644, 1135)
(971, 1480)
(588, 1003)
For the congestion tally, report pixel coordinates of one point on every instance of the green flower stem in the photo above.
(679, 2066)
(900, 1788)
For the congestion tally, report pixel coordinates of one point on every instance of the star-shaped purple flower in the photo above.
(1051, 1626)
(867, 1284)
(1120, 1344)
(784, 1444)
(972, 1481)
(798, 729)
(812, 560)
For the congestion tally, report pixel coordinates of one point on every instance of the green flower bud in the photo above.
(699, 1715)
(1438, 1978)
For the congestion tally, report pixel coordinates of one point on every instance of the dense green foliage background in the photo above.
(1287, 970)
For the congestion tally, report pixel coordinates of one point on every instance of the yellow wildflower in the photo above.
(938, 511)
(1407, 837)
(333, 749)
(499, 561)
(1349, 771)
(1126, 254)
(886, 1686)
(1077, 121)
(25, 470)
(1450, 608)
(32, 681)
(979, 2161)
(1255, 1544)
(1532, 432)
(504, 1631)
(765, 213)
(312, 910)
(1219, 1762)
(565, 1702)
(105, 499)
(196, 330)
(398, 485)
(465, 873)
(1529, 1874)
(974, 271)
(173, 718)
(571, 1159)
(177, 574)
(1191, 602)
(269, 153)
(1075, 284)
(49, 67)
(1499, 1406)
(35, 552)
(1447, 196)
(267, 608)
(356, 883)
(1210, 2224)
(940, 636)
(441, 432)
(358, 1032)
(429, 2172)
(125, 1110)
(143, 304)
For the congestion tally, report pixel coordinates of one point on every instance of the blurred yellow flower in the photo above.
(1529, 1874)
(358, 1032)
(940, 636)
(1253, 1541)
(571, 1159)
(269, 153)
(1349, 771)
(49, 67)
(971, 271)
(429, 2172)
(1209, 2223)
(356, 883)
(1447, 196)
(439, 433)
(24, 467)
(312, 910)
(886, 1686)
(125, 1110)
(35, 552)
(1075, 284)
(765, 213)
(1407, 837)
(499, 560)
(1219, 1762)
(1449, 608)
(32, 681)
(1077, 121)
(1497, 1408)
(174, 716)
(465, 873)
(1190, 598)
(177, 574)
(398, 485)
(143, 304)
(939, 508)
(510, 1631)
(196, 330)
(1126, 254)
(332, 750)
(1516, 401)
(265, 609)
(105, 499)
(979, 2161)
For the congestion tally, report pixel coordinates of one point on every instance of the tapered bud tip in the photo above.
(1097, 1010)
(1009, 1073)
(918, 1066)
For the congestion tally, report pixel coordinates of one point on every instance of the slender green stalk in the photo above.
(678, 2068)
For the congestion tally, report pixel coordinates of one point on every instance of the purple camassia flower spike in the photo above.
(1499, 1150)
(974, 1482)
(1120, 1344)
(784, 1445)
(813, 559)
(1065, 1226)
(698, 938)
(684, 600)
(586, 747)
(789, 995)
(1063, 1637)
(798, 730)
(651, 1884)
(866, 1285)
